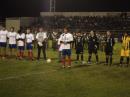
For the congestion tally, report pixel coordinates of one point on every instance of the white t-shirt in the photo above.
(20, 36)
(41, 36)
(29, 38)
(3, 36)
(66, 38)
(12, 37)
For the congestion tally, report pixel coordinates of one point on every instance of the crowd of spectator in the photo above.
(86, 22)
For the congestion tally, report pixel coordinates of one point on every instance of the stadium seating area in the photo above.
(86, 22)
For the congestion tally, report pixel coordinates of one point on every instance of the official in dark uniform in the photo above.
(109, 44)
(79, 45)
(55, 37)
(92, 46)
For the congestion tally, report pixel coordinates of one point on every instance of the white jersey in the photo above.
(3, 36)
(41, 36)
(12, 37)
(29, 38)
(65, 38)
(20, 36)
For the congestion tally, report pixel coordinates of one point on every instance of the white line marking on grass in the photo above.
(25, 75)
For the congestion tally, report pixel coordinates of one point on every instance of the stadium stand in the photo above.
(2, 21)
(86, 22)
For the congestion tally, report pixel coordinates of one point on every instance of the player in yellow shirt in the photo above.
(125, 49)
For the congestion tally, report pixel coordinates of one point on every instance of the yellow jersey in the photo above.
(125, 43)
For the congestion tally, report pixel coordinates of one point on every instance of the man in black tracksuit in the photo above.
(92, 46)
(109, 43)
(55, 37)
(41, 41)
(79, 45)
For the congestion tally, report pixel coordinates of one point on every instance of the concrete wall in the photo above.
(19, 21)
(13, 23)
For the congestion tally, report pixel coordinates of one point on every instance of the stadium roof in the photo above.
(34, 7)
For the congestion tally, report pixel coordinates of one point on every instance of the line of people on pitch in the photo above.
(18, 40)
(66, 39)
(22, 38)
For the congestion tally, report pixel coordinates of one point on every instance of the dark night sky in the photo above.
(34, 7)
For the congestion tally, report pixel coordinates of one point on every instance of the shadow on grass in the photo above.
(81, 66)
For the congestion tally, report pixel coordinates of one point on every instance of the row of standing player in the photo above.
(20, 39)
(66, 39)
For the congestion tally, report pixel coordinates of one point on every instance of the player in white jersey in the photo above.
(3, 42)
(12, 41)
(29, 43)
(66, 39)
(20, 43)
(42, 41)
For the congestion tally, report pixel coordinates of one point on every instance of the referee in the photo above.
(92, 46)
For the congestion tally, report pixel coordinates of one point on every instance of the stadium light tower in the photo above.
(52, 5)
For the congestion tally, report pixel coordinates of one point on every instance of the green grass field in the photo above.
(40, 79)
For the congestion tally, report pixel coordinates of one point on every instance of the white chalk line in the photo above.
(25, 75)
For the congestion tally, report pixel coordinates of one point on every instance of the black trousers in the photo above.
(43, 48)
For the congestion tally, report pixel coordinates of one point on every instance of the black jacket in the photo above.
(93, 42)
(110, 42)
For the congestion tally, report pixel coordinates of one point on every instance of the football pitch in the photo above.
(24, 78)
